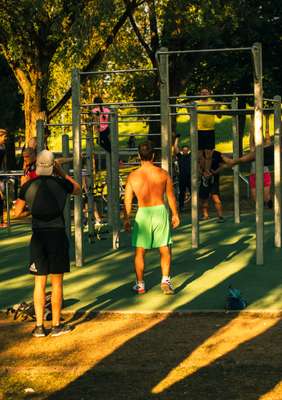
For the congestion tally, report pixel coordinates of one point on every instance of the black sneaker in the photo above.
(39, 331)
(60, 330)
(220, 220)
(204, 218)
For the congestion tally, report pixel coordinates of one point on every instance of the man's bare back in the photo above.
(149, 185)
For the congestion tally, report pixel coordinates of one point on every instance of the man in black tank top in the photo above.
(46, 197)
(183, 158)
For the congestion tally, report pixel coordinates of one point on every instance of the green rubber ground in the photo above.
(201, 277)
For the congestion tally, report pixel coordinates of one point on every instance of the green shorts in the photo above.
(151, 227)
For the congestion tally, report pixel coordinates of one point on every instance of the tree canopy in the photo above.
(43, 40)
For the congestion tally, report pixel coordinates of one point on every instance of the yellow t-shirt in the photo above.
(206, 122)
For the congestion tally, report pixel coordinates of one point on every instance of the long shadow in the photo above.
(128, 373)
(132, 371)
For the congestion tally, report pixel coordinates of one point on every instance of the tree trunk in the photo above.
(33, 100)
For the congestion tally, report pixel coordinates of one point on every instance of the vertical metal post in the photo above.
(115, 178)
(67, 210)
(194, 177)
(40, 135)
(258, 135)
(78, 226)
(236, 146)
(165, 117)
(277, 171)
(90, 181)
(109, 187)
(8, 203)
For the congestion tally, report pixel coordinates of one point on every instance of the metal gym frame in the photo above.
(256, 51)
(112, 163)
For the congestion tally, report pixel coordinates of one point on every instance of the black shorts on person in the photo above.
(268, 155)
(208, 186)
(49, 252)
(206, 139)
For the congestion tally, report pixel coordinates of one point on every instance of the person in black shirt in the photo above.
(209, 186)
(183, 158)
(46, 197)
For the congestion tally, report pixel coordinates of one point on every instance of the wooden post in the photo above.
(277, 171)
(258, 135)
(115, 179)
(67, 210)
(194, 177)
(78, 226)
(40, 135)
(165, 117)
(236, 171)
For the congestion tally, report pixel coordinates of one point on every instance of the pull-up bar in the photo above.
(212, 96)
(204, 50)
(117, 71)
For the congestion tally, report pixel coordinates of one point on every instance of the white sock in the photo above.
(165, 278)
(140, 283)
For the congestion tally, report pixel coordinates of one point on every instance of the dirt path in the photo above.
(135, 356)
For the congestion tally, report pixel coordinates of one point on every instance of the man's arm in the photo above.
(172, 202)
(128, 197)
(18, 208)
(58, 170)
(176, 149)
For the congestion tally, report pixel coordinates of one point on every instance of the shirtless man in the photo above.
(149, 184)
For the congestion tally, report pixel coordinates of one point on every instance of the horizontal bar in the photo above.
(232, 112)
(203, 50)
(212, 96)
(143, 106)
(139, 115)
(139, 120)
(117, 71)
(273, 100)
(138, 134)
(11, 173)
(124, 103)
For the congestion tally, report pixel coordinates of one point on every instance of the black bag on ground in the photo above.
(25, 311)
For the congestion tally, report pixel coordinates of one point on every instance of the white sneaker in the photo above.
(167, 287)
(139, 288)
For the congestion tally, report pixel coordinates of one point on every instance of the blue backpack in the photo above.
(234, 300)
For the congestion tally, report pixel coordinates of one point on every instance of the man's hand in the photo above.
(58, 170)
(175, 221)
(127, 225)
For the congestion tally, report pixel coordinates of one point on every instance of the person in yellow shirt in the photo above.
(206, 131)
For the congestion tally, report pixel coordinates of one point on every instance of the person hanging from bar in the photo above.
(266, 174)
(101, 116)
(206, 132)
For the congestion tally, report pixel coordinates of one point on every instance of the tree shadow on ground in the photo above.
(245, 372)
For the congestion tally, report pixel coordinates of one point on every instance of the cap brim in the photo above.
(45, 171)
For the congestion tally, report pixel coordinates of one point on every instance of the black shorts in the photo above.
(208, 187)
(268, 155)
(206, 140)
(49, 252)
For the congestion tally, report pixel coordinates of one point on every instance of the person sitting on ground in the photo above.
(183, 158)
(101, 114)
(209, 186)
(46, 197)
(150, 184)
